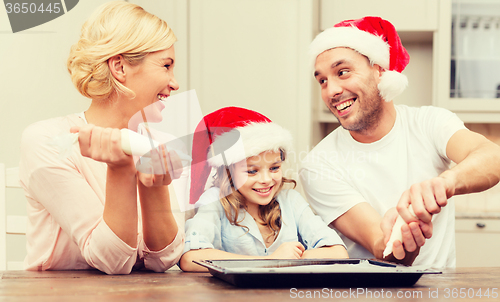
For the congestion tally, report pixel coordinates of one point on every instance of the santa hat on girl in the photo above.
(230, 135)
(374, 38)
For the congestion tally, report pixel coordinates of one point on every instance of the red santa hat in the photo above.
(374, 38)
(230, 135)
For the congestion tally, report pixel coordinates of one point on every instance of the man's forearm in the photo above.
(361, 224)
(477, 169)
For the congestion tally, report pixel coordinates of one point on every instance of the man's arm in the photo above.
(364, 225)
(477, 169)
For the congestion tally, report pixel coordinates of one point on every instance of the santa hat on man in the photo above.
(230, 135)
(374, 38)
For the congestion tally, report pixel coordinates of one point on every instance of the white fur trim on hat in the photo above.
(371, 46)
(392, 84)
(252, 139)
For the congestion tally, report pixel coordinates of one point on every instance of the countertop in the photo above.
(471, 284)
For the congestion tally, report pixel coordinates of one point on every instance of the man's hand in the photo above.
(414, 236)
(427, 198)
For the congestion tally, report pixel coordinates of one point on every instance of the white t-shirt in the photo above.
(341, 172)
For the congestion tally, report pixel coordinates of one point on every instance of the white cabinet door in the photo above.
(253, 54)
(469, 109)
(477, 242)
(405, 15)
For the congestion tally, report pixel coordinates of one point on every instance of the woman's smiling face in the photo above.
(152, 80)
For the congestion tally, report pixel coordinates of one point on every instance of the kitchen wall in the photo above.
(252, 55)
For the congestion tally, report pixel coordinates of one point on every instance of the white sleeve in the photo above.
(439, 124)
(328, 192)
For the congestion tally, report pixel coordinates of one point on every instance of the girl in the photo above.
(246, 213)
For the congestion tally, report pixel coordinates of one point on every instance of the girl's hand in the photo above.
(102, 144)
(159, 168)
(288, 250)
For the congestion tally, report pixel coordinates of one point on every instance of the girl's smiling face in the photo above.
(258, 178)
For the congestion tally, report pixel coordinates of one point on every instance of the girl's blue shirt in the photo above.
(210, 228)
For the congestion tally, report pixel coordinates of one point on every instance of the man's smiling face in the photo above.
(349, 88)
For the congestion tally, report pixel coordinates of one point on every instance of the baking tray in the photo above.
(314, 273)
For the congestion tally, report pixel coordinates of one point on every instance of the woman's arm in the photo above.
(162, 241)
(186, 263)
(158, 222)
(120, 208)
(68, 198)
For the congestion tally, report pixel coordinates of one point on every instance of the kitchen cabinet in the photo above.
(477, 242)
(467, 58)
(406, 15)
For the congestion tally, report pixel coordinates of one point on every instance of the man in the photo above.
(384, 155)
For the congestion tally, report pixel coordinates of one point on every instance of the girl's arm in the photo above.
(287, 250)
(321, 240)
(332, 252)
(186, 263)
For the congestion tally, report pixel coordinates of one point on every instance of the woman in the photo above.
(93, 209)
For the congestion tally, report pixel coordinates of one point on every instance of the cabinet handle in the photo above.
(480, 225)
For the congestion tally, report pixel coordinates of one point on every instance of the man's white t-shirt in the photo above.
(341, 172)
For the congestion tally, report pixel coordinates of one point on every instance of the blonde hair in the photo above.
(115, 28)
(232, 201)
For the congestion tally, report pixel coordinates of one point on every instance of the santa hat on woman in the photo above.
(230, 135)
(374, 38)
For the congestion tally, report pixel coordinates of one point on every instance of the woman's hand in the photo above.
(288, 250)
(159, 167)
(102, 144)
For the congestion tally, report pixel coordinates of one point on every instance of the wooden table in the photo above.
(179, 286)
